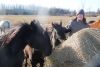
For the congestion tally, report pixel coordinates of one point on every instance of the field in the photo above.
(16, 19)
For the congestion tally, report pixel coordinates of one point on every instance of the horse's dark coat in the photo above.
(60, 30)
(28, 34)
(40, 39)
(9, 51)
(40, 42)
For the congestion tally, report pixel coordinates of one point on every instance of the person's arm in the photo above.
(68, 27)
(67, 30)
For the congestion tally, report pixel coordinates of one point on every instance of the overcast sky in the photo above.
(88, 5)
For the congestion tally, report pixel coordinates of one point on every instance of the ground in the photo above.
(17, 19)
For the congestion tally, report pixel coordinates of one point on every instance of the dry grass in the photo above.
(71, 53)
(77, 50)
(16, 19)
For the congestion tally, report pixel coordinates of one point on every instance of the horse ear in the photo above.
(33, 26)
(32, 22)
(61, 23)
(52, 24)
(46, 29)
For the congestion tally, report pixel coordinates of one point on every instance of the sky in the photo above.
(87, 5)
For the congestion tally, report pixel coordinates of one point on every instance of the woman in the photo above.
(78, 23)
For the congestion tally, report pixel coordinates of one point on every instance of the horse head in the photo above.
(39, 39)
(60, 30)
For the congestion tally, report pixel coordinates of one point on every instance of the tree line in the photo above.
(34, 10)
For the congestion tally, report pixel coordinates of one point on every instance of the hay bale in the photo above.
(94, 62)
(77, 50)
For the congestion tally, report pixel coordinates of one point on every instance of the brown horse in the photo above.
(95, 24)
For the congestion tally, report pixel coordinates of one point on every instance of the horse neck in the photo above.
(15, 46)
(40, 28)
(51, 36)
(47, 43)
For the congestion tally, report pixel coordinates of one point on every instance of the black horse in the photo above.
(32, 35)
(41, 43)
(61, 31)
(47, 38)
(38, 56)
(9, 51)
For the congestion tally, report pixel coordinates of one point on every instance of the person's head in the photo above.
(80, 15)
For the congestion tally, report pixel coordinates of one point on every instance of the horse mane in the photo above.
(14, 32)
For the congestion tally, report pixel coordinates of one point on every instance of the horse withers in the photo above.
(38, 38)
